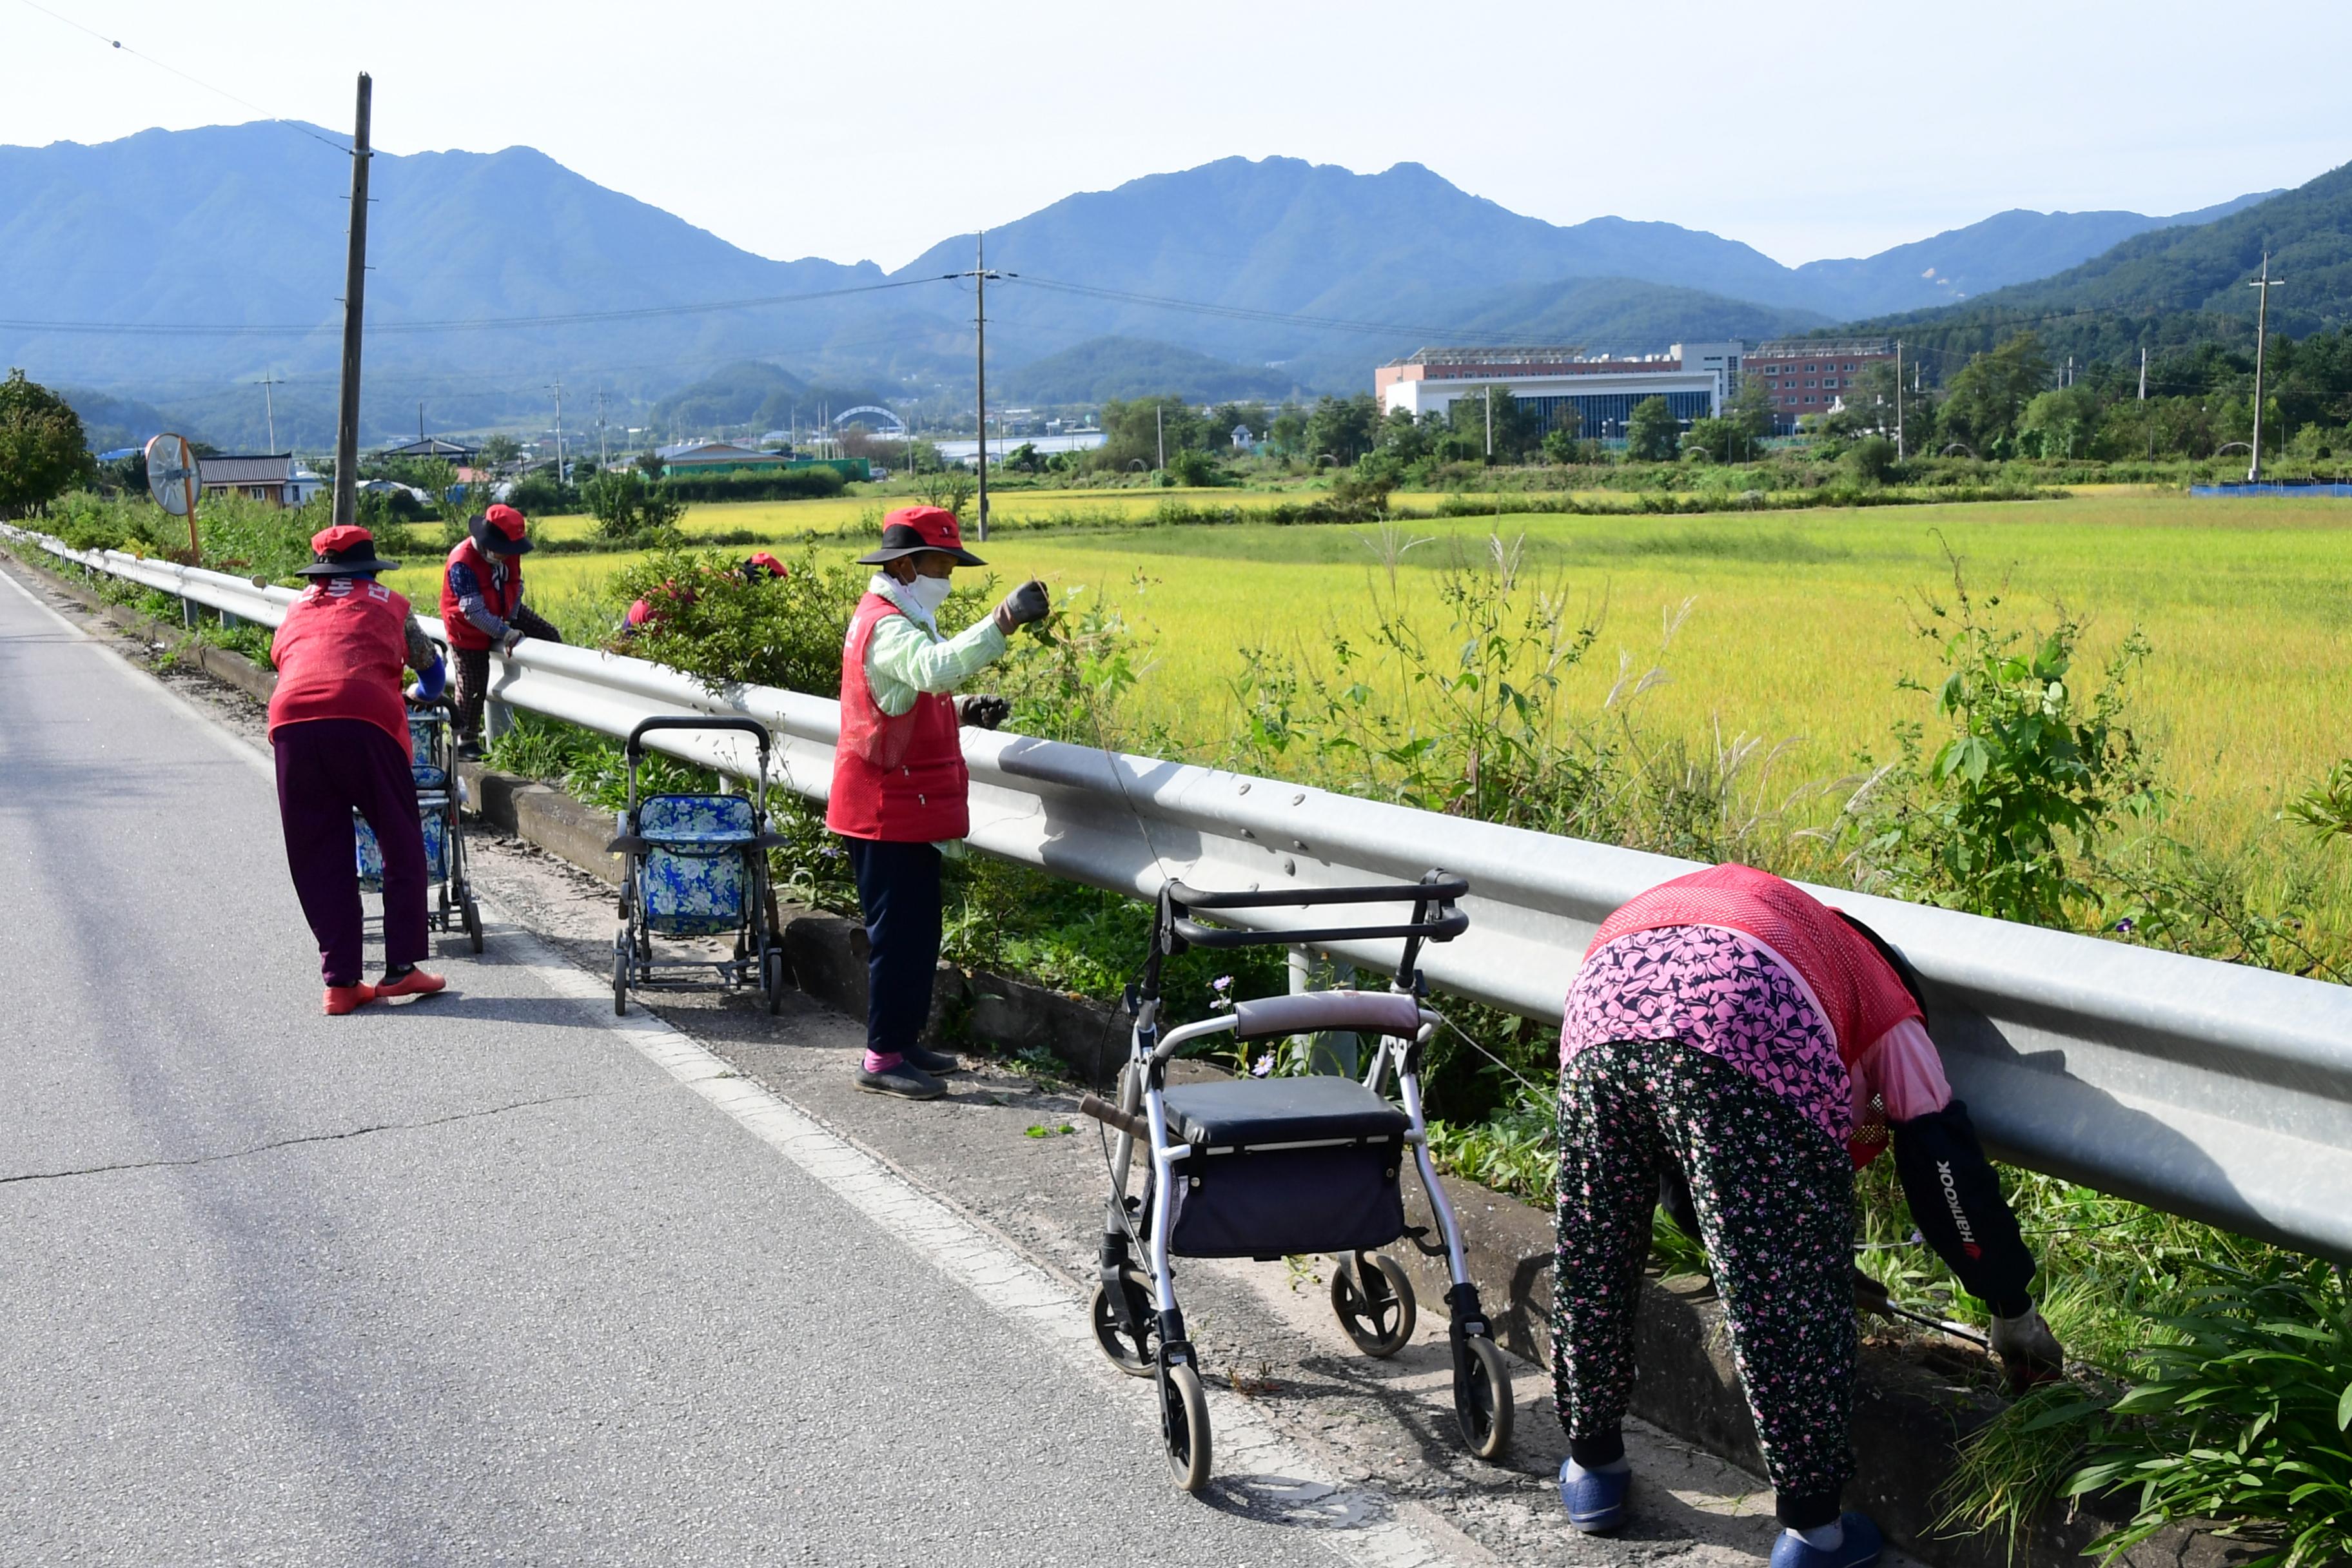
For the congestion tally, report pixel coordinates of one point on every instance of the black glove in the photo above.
(983, 711)
(2030, 1353)
(1025, 604)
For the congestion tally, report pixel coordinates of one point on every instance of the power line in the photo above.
(1243, 313)
(577, 318)
(114, 43)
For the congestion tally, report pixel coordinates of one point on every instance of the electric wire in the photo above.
(475, 323)
(342, 147)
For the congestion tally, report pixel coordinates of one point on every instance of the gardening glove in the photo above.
(982, 712)
(429, 682)
(2030, 1353)
(1025, 604)
(1869, 1295)
(512, 640)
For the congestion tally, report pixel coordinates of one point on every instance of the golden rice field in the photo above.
(1799, 624)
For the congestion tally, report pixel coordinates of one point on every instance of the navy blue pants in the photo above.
(327, 768)
(898, 889)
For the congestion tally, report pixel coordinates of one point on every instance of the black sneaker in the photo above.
(937, 1063)
(906, 1080)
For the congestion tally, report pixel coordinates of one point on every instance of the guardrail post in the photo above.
(497, 718)
(1334, 1052)
(188, 613)
(229, 623)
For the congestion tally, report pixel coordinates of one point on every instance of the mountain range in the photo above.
(221, 249)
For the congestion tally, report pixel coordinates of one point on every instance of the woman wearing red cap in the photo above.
(340, 732)
(1752, 1047)
(482, 608)
(899, 785)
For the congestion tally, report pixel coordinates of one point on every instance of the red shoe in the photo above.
(342, 999)
(416, 983)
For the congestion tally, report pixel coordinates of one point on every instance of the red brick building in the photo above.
(1806, 375)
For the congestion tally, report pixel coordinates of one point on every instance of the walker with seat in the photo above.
(695, 866)
(1269, 1167)
(440, 794)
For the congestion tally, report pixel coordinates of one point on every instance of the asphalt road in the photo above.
(464, 1281)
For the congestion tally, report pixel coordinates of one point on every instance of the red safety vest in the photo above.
(900, 779)
(339, 652)
(501, 602)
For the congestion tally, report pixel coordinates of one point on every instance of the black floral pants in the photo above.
(1775, 1201)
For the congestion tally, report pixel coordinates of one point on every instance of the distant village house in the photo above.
(274, 479)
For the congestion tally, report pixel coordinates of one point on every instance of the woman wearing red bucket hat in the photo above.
(482, 608)
(899, 785)
(341, 736)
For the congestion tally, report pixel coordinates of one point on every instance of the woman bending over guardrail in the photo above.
(1740, 1046)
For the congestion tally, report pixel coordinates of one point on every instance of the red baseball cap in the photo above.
(911, 529)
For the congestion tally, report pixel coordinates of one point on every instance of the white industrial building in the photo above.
(1694, 379)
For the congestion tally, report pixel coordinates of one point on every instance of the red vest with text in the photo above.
(901, 780)
(501, 601)
(339, 652)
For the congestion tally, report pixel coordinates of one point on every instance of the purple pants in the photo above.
(326, 769)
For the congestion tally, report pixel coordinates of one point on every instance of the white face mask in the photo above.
(930, 593)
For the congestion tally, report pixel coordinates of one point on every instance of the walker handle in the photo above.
(1110, 1115)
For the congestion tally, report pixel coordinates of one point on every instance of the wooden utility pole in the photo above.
(2265, 283)
(347, 415)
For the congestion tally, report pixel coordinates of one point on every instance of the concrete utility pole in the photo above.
(979, 274)
(347, 413)
(557, 388)
(2264, 284)
(270, 408)
(604, 456)
(2143, 372)
(420, 422)
(1898, 400)
(1490, 425)
(1159, 431)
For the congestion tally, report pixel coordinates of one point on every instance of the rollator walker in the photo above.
(1270, 1167)
(697, 866)
(439, 794)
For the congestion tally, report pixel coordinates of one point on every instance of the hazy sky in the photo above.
(871, 130)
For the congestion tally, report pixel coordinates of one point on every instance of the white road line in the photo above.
(1263, 1466)
(1263, 1469)
(104, 646)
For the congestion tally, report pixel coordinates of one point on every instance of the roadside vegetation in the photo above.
(2116, 715)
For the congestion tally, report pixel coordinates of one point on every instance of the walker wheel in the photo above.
(1184, 1426)
(1482, 1398)
(1374, 1305)
(621, 973)
(1136, 1355)
(473, 922)
(772, 976)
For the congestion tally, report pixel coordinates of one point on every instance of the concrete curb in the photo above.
(1910, 1410)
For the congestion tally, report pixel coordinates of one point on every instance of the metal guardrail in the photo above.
(2206, 1088)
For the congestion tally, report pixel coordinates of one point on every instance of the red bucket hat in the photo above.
(913, 529)
(500, 530)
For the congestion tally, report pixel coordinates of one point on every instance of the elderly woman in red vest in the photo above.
(899, 785)
(339, 731)
(1753, 1047)
(482, 608)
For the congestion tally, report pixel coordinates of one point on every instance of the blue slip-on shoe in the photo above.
(1858, 1549)
(1596, 1499)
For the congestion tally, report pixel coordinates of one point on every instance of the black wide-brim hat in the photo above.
(912, 530)
(345, 551)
